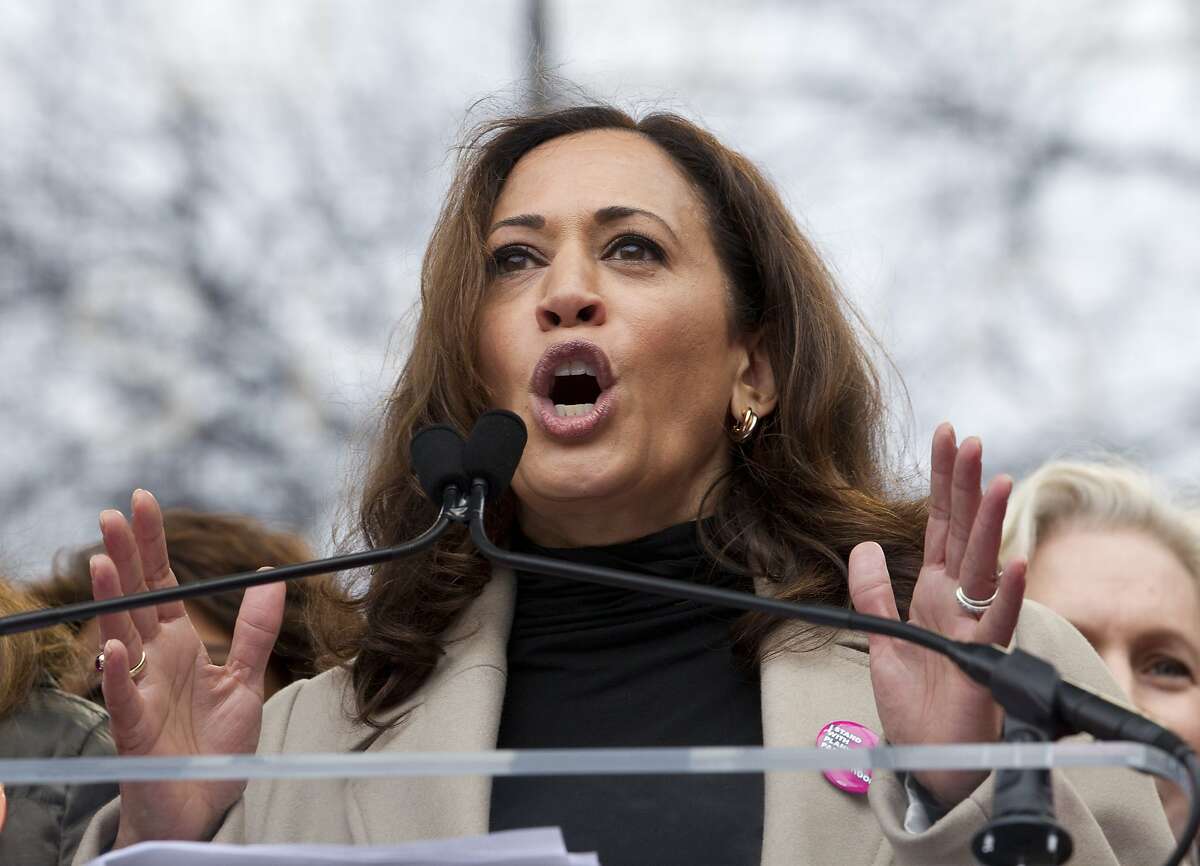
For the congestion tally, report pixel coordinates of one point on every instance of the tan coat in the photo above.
(1113, 815)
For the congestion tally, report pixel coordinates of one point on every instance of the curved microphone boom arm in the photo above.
(85, 610)
(437, 462)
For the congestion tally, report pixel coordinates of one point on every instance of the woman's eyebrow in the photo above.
(612, 213)
(528, 220)
(1168, 634)
(605, 215)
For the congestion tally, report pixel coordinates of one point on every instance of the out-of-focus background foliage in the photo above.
(212, 216)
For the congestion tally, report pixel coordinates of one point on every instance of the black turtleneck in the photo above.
(594, 666)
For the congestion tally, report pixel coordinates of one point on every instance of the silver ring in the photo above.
(974, 606)
(133, 671)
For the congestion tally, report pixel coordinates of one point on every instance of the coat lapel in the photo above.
(456, 710)
(801, 693)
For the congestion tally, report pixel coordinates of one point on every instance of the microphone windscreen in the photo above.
(494, 449)
(437, 452)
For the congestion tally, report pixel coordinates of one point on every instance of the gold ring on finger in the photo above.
(133, 671)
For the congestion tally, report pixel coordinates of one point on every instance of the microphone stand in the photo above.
(1022, 830)
(453, 510)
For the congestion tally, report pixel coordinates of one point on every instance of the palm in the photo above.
(946, 694)
(180, 703)
(921, 697)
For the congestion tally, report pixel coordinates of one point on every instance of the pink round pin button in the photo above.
(848, 735)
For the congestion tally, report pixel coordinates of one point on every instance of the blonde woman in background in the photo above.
(1110, 552)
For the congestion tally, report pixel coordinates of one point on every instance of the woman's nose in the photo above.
(1120, 666)
(568, 301)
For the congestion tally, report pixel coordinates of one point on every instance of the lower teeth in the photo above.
(563, 410)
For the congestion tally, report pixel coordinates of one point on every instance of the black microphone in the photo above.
(436, 459)
(493, 450)
(1028, 688)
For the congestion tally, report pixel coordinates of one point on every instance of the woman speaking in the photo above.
(699, 407)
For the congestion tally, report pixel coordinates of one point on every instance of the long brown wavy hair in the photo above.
(808, 486)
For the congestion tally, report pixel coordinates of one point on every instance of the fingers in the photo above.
(870, 584)
(941, 475)
(106, 583)
(254, 634)
(977, 573)
(965, 496)
(147, 520)
(122, 550)
(871, 590)
(121, 695)
(998, 624)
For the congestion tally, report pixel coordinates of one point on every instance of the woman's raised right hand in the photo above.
(179, 703)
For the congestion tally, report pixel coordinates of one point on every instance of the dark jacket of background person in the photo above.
(37, 720)
(204, 545)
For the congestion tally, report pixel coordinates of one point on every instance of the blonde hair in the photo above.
(1097, 495)
(31, 658)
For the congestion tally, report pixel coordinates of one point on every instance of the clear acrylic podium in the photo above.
(577, 762)
(556, 762)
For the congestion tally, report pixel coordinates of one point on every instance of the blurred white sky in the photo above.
(212, 216)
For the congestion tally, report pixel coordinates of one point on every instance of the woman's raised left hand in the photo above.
(922, 698)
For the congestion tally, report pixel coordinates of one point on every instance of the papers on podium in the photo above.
(541, 846)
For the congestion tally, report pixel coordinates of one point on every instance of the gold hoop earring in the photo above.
(744, 428)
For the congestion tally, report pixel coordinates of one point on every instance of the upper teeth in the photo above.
(574, 368)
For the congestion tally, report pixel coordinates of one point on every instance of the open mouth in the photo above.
(575, 389)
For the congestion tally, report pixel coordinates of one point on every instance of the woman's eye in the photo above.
(1168, 668)
(632, 248)
(510, 259)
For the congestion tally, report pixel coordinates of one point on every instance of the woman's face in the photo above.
(1139, 607)
(607, 329)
